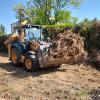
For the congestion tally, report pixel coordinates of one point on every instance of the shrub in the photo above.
(2, 46)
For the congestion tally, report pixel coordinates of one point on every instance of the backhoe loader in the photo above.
(26, 45)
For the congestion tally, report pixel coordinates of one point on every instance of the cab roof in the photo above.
(28, 26)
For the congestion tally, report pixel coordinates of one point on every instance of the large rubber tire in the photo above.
(14, 57)
(31, 64)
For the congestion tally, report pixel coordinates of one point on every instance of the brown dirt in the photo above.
(69, 82)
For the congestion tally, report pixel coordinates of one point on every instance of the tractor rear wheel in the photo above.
(14, 56)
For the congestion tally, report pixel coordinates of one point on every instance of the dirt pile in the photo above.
(68, 46)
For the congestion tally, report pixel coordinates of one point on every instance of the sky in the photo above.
(89, 9)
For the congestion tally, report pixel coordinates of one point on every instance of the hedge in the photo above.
(2, 46)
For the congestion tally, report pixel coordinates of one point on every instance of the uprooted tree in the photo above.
(67, 48)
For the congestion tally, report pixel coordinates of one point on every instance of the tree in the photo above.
(95, 20)
(63, 16)
(2, 30)
(18, 10)
(74, 20)
(42, 11)
(47, 11)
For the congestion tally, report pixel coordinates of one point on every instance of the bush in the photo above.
(90, 31)
(2, 46)
(52, 30)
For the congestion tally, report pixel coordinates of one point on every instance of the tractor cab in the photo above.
(28, 33)
(33, 33)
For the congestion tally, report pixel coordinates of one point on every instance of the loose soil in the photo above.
(69, 82)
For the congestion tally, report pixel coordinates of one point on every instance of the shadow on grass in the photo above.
(3, 54)
(20, 72)
(94, 63)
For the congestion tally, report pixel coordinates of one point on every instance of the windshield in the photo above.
(33, 33)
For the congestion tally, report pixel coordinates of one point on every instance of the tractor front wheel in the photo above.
(31, 64)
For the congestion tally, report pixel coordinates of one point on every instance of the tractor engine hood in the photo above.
(44, 46)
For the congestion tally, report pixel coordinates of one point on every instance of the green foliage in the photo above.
(63, 16)
(75, 3)
(2, 46)
(2, 37)
(18, 6)
(39, 11)
(59, 26)
(17, 11)
(90, 30)
(48, 12)
(74, 20)
(2, 30)
(53, 30)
